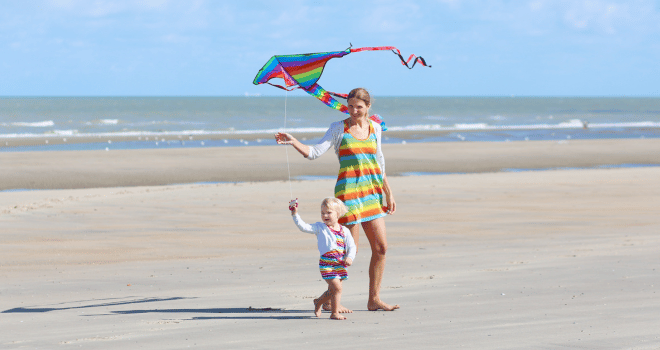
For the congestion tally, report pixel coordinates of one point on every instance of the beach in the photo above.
(150, 167)
(494, 245)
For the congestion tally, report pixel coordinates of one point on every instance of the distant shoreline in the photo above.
(168, 140)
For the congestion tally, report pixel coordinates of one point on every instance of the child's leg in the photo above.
(334, 286)
(323, 299)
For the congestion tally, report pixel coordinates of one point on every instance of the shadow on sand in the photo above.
(249, 312)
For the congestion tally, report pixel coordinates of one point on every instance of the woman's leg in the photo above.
(375, 231)
(355, 232)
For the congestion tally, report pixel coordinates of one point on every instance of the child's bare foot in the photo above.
(337, 316)
(317, 307)
(375, 305)
(342, 309)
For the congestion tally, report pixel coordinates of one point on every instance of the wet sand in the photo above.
(118, 168)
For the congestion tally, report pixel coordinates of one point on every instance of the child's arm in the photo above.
(302, 226)
(351, 248)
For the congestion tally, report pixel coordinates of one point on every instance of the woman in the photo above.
(361, 182)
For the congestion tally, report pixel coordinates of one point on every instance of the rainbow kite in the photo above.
(304, 70)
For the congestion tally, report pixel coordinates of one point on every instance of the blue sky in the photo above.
(212, 48)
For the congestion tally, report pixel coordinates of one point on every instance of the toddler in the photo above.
(336, 247)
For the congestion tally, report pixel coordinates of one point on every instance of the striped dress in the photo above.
(360, 181)
(331, 263)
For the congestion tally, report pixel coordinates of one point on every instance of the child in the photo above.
(337, 249)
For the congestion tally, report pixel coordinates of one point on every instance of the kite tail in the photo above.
(325, 97)
(406, 63)
(396, 52)
(378, 119)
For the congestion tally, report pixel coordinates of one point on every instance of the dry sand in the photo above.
(509, 260)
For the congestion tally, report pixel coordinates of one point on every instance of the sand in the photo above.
(117, 168)
(486, 260)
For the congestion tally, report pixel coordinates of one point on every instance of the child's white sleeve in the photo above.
(351, 248)
(303, 226)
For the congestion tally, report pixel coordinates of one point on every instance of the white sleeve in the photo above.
(303, 226)
(351, 248)
(379, 152)
(329, 139)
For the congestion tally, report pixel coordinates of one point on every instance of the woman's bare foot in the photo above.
(337, 316)
(380, 305)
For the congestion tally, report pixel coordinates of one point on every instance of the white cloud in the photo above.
(392, 17)
(595, 15)
(103, 8)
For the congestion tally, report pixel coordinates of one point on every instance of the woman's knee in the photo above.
(375, 231)
(380, 248)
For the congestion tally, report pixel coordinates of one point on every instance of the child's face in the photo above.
(329, 216)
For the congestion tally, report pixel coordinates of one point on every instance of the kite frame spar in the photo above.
(302, 71)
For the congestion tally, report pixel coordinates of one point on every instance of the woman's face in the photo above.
(357, 108)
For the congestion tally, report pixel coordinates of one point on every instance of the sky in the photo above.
(215, 48)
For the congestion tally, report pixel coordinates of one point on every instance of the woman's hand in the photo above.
(283, 138)
(389, 197)
(391, 204)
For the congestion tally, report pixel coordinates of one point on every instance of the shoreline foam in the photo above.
(423, 133)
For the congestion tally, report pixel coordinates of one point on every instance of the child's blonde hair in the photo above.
(336, 204)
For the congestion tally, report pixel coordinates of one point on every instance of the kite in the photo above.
(302, 71)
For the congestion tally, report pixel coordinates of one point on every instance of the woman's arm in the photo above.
(389, 197)
(331, 137)
(283, 138)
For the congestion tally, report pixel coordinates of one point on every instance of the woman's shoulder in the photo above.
(337, 124)
(337, 127)
(377, 128)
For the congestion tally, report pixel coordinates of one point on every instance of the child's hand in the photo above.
(293, 206)
(348, 262)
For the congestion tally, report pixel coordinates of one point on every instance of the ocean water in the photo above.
(203, 121)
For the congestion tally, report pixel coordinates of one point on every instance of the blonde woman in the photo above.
(361, 184)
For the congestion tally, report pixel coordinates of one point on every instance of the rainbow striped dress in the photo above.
(331, 264)
(360, 181)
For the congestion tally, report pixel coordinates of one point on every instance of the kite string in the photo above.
(286, 147)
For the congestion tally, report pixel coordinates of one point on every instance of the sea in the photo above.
(180, 122)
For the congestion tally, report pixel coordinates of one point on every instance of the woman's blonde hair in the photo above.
(336, 204)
